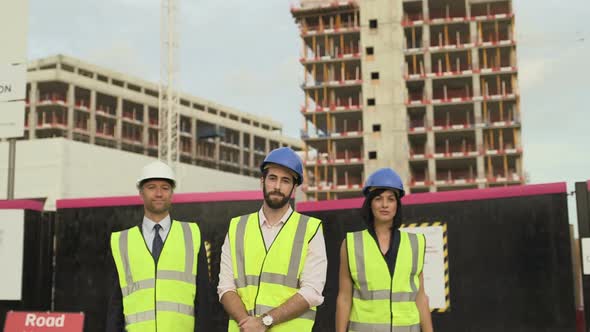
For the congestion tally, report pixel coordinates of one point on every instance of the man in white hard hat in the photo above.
(162, 277)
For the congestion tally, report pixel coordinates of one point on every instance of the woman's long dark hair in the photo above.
(367, 212)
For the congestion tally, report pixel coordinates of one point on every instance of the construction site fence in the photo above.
(508, 254)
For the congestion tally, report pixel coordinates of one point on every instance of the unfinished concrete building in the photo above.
(69, 98)
(427, 87)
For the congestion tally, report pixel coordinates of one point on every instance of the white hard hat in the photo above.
(156, 170)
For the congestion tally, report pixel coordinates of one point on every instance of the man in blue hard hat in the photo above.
(273, 261)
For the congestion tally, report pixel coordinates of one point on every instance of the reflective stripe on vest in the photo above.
(291, 279)
(160, 306)
(368, 327)
(363, 296)
(286, 283)
(364, 293)
(185, 276)
(177, 284)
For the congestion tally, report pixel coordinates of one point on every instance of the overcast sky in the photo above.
(245, 54)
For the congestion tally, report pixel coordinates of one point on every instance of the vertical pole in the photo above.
(583, 211)
(11, 168)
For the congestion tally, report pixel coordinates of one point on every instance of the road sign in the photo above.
(19, 321)
(13, 82)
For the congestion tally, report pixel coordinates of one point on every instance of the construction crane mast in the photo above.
(168, 101)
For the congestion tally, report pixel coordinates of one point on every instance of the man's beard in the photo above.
(274, 204)
(158, 210)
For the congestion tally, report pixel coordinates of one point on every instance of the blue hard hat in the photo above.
(285, 157)
(384, 178)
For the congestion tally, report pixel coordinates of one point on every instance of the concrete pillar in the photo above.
(481, 171)
(198, 150)
(479, 142)
(432, 174)
(474, 51)
(430, 147)
(430, 139)
(217, 154)
(515, 87)
(430, 143)
(119, 122)
(241, 153)
(427, 62)
(145, 129)
(426, 38)
(478, 117)
(476, 82)
(251, 161)
(473, 32)
(266, 146)
(428, 89)
(33, 99)
(70, 101)
(475, 59)
(92, 118)
(194, 139)
(425, 10)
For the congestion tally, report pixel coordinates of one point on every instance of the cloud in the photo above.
(270, 91)
(532, 72)
(122, 57)
(552, 161)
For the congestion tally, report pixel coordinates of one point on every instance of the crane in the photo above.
(168, 101)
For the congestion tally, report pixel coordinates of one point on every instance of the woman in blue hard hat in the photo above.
(381, 284)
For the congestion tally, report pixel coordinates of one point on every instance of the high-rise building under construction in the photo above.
(427, 87)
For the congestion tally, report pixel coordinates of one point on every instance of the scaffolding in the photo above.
(332, 108)
(461, 95)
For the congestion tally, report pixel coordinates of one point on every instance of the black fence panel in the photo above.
(509, 255)
(83, 265)
(509, 261)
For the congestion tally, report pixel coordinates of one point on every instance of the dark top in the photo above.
(391, 254)
(116, 319)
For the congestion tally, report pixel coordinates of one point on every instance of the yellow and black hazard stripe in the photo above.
(208, 250)
(445, 257)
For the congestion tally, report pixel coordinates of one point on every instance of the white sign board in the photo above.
(586, 255)
(434, 264)
(13, 82)
(12, 229)
(14, 26)
(12, 119)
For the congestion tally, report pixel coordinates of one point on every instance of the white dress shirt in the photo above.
(147, 228)
(313, 275)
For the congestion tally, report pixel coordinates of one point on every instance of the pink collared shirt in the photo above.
(313, 275)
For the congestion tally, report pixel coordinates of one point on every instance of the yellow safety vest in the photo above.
(381, 303)
(267, 279)
(158, 297)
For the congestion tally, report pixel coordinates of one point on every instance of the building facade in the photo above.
(69, 98)
(427, 87)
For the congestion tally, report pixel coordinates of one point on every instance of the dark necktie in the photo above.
(158, 244)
